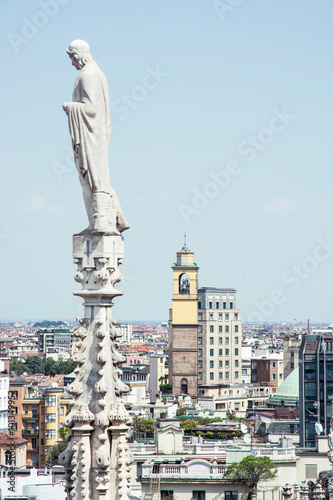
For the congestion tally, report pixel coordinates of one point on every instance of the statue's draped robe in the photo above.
(90, 127)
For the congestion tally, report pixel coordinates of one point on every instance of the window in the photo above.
(224, 305)
(26, 410)
(210, 305)
(220, 328)
(236, 363)
(217, 305)
(200, 376)
(168, 494)
(220, 340)
(211, 352)
(50, 417)
(50, 400)
(42, 410)
(220, 317)
(199, 305)
(236, 317)
(13, 394)
(220, 352)
(236, 340)
(236, 406)
(34, 443)
(42, 426)
(50, 433)
(236, 374)
(199, 352)
(226, 374)
(244, 371)
(227, 352)
(198, 495)
(231, 305)
(311, 471)
(236, 351)
(273, 364)
(227, 317)
(227, 340)
(211, 364)
(227, 329)
(227, 363)
(211, 376)
(211, 340)
(280, 376)
(273, 376)
(199, 340)
(220, 364)
(281, 363)
(199, 329)
(200, 364)
(220, 375)
(211, 317)
(236, 328)
(200, 316)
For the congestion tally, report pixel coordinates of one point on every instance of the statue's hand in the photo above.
(65, 107)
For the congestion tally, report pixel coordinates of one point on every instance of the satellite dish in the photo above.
(244, 428)
(247, 438)
(318, 428)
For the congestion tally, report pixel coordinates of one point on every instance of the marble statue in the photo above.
(90, 130)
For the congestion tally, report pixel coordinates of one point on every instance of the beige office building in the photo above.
(219, 338)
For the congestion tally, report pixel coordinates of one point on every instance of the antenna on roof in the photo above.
(184, 239)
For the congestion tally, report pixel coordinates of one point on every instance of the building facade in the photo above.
(315, 387)
(38, 416)
(219, 338)
(291, 346)
(56, 340)
(267, 370)
(183, 326)
(159, 374)
(4, 388)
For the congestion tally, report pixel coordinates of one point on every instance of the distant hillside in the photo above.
(47, 324)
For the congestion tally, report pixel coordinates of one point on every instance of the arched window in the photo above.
(184, 284)
(184, 386)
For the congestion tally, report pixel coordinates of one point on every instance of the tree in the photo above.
(189, 425)
(145, 426)
(181, 412)
(166, 388)
(250, 471)
(58, 448)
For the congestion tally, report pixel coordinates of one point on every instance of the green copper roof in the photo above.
(288, 391)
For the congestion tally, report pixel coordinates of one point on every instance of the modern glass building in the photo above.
(315, 387)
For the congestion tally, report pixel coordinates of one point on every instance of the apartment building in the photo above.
(38, 416)
(267, 369)
(291, 346)
(56, 340)
(219, 338)
(4, 387)
(159, 373)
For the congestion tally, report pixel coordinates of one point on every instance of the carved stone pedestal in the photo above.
(97, 458)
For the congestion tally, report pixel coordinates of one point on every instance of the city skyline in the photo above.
(221, 129)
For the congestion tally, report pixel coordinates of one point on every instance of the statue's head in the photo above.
(79, 52)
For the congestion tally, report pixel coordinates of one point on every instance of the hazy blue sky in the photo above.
(222, 116)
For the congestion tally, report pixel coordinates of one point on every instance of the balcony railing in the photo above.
(30, 432)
